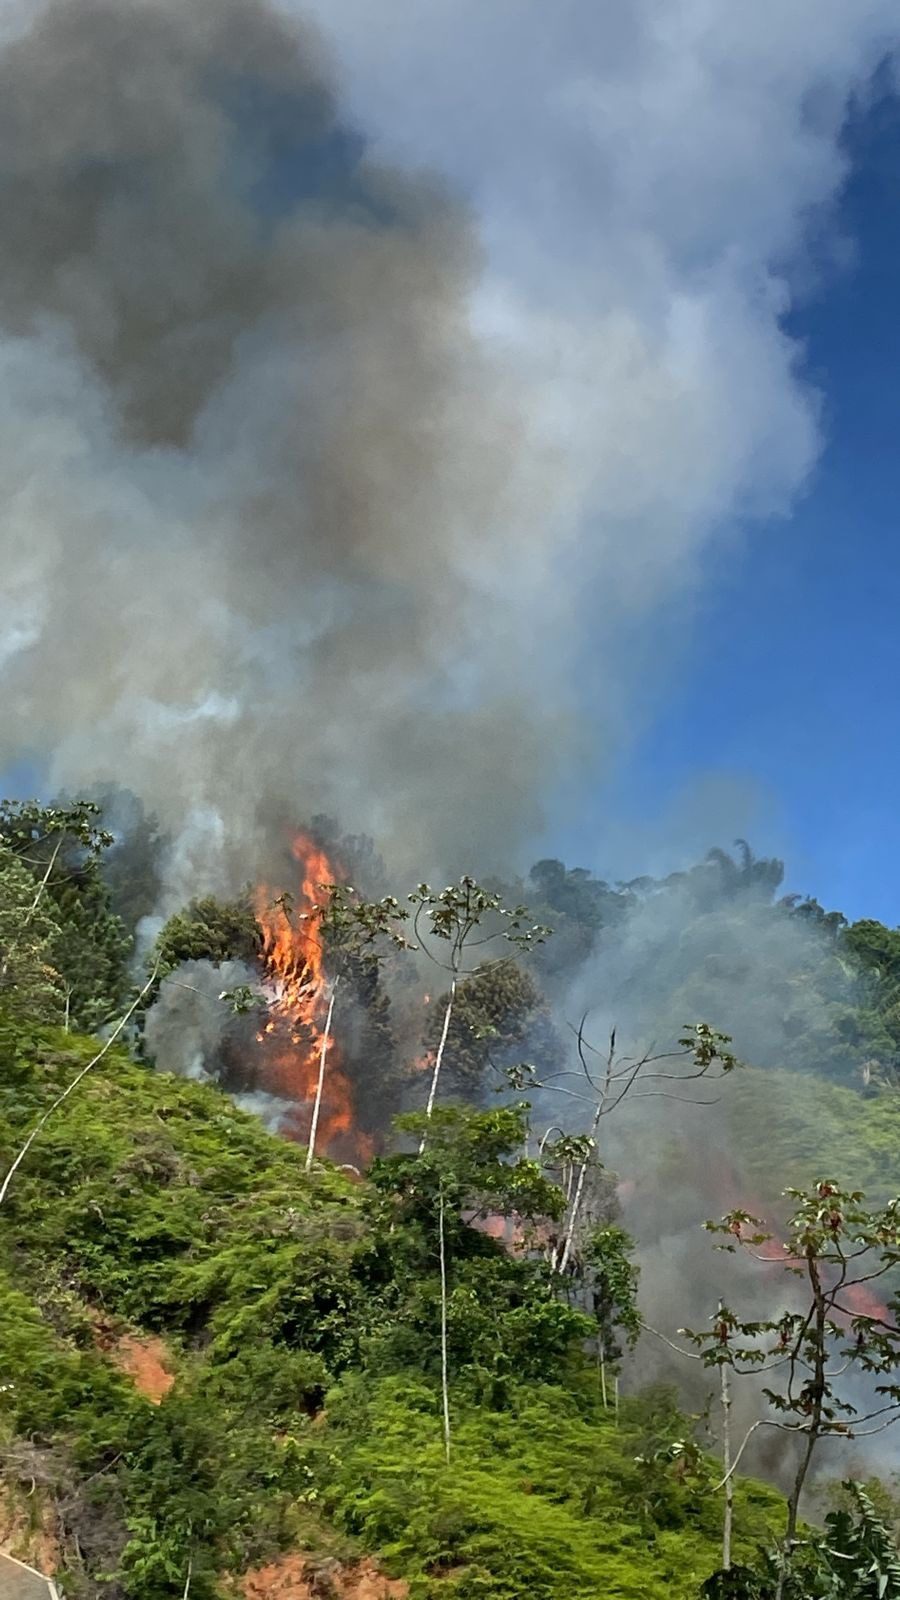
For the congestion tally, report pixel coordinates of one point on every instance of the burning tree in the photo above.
(837, 1249)
(308, 952)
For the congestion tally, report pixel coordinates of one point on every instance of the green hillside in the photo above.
(305, 1411)
(231, 1367)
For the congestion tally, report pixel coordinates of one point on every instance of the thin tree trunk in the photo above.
(317, 1103)
(728, 1520)
(445, 1391)
(42, 1121)
(562, 1255)
(432, 1092)
(601, 1353)
(817, 1391)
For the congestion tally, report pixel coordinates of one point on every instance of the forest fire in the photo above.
(300, 996)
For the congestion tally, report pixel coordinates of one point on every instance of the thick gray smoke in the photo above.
(187, 1023)
(188, 1027)
(259, 472)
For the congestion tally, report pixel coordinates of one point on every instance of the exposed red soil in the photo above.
(303, 1577)
(144, 1358)
(144, 1362)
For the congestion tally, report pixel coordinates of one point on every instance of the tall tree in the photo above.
(431, 1205)
(30, 986)
(837, 1248)
(210, 930)
(449, 925)
(499, 1016)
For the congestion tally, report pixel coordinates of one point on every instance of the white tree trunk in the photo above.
(563, 1253)
(4, 968)
(43, 883)
(436, 1072)
(445, 1391)
(317, 1103)
(726, 1461)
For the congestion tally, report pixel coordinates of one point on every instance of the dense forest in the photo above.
(352, 1233)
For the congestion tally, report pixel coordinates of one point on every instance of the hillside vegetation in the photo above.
(302, 1330)
(222, 1355)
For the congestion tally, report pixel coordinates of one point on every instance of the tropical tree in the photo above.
(854, 1557)
(747, 873)
(499, 1015)
(30, 986)
(432, 1206)
(449, 924)
(210, 930)
(837, 1249)
(611, 1282)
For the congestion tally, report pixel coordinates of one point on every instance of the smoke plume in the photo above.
(325, 491)
(261, 474)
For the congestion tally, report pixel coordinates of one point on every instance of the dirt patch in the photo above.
(303, 1577)
(28, 1532)
(145, 1359)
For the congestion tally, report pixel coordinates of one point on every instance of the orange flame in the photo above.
(299, 991)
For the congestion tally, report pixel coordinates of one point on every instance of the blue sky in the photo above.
(790, 692)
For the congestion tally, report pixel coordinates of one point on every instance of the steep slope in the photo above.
(294, 1417)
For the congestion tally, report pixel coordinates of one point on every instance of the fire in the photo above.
(299, 990)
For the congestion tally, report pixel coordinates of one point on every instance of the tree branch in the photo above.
(42, 1121)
